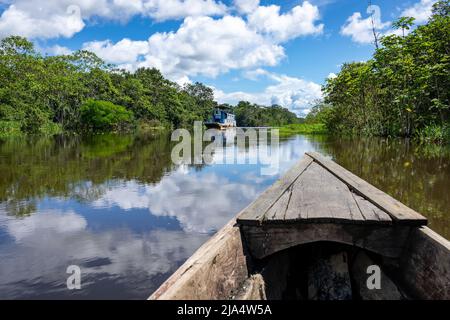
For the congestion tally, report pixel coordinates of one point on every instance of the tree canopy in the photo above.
(51, 94)
(254, 115)
(45, 94)
(404, 90)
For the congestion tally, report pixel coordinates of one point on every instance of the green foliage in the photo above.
(105, 145)
(253, 115)
(58, 166)
(404, 24)
(45, 94)
(103, 115)
(9, 129)
(404, 90)
(302, 128)
(50, 94)
(319, 113)
(50, 128)
(434, 134)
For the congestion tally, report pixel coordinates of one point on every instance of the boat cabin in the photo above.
(224, 118)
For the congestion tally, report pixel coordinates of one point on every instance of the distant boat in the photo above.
(221, 120)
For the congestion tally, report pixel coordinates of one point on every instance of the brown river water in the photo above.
(117, 206)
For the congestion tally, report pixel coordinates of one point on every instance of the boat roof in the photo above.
(318, 190)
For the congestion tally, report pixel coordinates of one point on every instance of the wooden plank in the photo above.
(278, 210)
(297, 206)
(214, 271)
(397, 210)
(370, 211)
(386, 240)
(319, 196)
(254, 213)
(426, 265)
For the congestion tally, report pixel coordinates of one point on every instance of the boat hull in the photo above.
(219, 270)
(217, 125)
(215, 271)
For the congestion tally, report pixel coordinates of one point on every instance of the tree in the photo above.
(403, 89)
(403, 23)
(204, 98)
(48, 94)
(103, 115)
(253, 115)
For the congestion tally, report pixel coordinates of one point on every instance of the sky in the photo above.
(265, 52)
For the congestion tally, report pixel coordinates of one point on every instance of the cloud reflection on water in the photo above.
(47, 242)
(117, 260)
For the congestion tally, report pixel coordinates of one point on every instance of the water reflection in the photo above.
(114, 205)
(117, 206)
(115, 263)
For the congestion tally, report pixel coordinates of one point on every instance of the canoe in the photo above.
(319, 233)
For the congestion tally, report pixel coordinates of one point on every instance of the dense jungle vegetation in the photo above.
(404, 90)
(80, 92)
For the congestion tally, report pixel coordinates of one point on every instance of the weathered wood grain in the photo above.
(312, 193)
(278, 210)
(397, 210)
(253, 289)
(425, 265)
(254, 213)
(214, 271)
(387, 240)
(370, 212)
(318, 196)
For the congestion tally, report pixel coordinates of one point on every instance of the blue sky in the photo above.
(262, 51)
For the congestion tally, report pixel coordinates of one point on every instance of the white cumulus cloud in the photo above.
(298, 95)
(176, 9)
(123, 52)
(40, 22)
(331, 75)
(361, 30)
(56, 50)
(246, 6)
(209, 46)
(201, 46)
(64, 18)
(300, 21)
(421, 11)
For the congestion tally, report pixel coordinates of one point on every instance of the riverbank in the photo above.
(10, 130)
(302, 128)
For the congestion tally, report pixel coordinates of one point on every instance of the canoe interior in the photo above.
(223, 269)
(333, 271)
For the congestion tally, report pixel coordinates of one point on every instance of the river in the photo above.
(117, 206)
